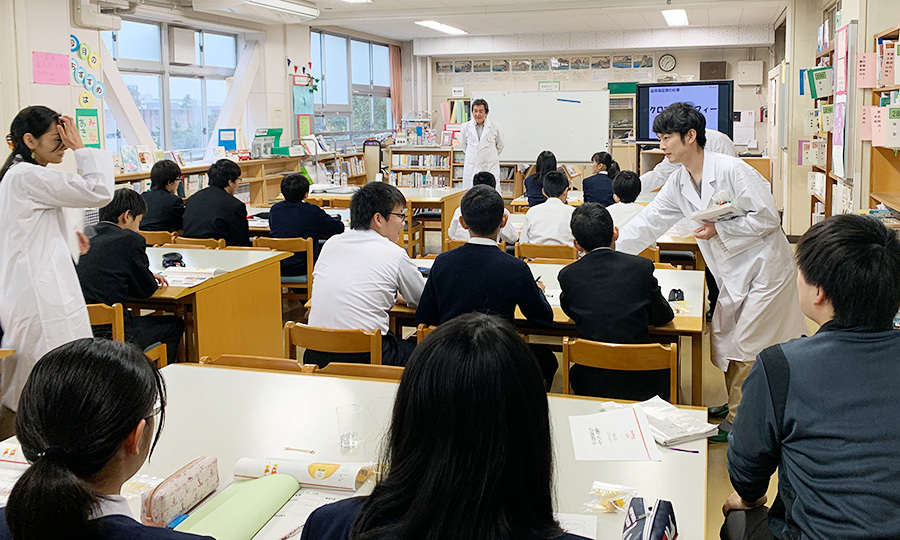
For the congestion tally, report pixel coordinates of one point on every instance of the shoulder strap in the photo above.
(778, 375)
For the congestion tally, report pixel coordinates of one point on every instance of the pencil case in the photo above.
(180, 492)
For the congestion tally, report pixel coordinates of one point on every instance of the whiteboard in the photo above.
(572, 125)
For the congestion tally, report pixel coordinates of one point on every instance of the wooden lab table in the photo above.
(519, 205)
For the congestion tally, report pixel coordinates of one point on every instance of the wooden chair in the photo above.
(413, 234)
(332, 341)
(215, 243)
(422, 332)
(294, 245)
(665, 266)
(651, 253)
(368, 371)
(453, 244)
(340, 203)
(114, 315)
(255, 362)
(183, 246)
(153, 238)
(621, 357)
(247, 248)
(158, 354)
(564, 254)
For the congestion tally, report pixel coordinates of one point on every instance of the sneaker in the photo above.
(660, 524)
(718, 412)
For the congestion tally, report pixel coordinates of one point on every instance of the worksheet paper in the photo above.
(619, 435)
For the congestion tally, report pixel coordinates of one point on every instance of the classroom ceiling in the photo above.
(395, 18)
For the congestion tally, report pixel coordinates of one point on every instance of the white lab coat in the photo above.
(481, 154)
(41, 304)
(654, 178)
(753, 263)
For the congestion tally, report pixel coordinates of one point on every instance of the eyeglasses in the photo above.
(401, 215)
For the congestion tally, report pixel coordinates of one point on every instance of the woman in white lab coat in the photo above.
(482, 152)
(750, 256)
(41, 304)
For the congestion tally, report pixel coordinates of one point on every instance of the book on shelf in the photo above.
(130, 159)
(177, 157)
(118, 164)
(821, 81)
(145, 158)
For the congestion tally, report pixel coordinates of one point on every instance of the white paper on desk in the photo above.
(619, 435)
(293, 515)
(581, 524)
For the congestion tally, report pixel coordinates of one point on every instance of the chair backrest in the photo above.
(621, 357)
(332, 341)
(183, 246)
(650, 253)
(158, 354)
(665, 266)
(113, 315)
(453, 244)
(422, 332)
(340, 203)
(208, 242)
(255, 362)
(294, 245)
(541, 251)
(152, 238)
(247, 248)
(368, 371)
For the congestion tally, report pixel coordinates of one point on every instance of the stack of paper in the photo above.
(669, 424)
(716, 213)
(188, 277)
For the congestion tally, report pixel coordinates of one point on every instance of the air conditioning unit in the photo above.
(261, 11)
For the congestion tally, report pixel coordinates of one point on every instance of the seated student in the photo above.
(548, 223)
(165, 209)
(479, 277)
(626, 189)
(457, 231)
(598, 188)
(214, 211)
(822, 409)
(90, 413)
(360, 272)
(612, 297)
(116, 268)
(534, 183)
(471, 394)
(295, 218)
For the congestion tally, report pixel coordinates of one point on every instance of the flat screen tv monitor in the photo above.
(715, 99)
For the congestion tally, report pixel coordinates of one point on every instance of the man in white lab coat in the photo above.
(749, 255)
(481, 139)
(653, 179)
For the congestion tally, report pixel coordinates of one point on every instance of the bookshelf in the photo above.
(460, 110)
(353, 163)
(511, 183)
(411, 164)
(822, 185)
(884, 185)
(621, 116)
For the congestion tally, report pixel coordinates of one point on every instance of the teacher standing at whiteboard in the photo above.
(481, 139)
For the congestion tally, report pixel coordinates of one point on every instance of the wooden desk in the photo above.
(7, 352)
(519, 205)
(238, 312)
(671, 241)
(232, 413)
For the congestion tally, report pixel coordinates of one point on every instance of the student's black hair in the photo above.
(294, 187)
(546, 162)
(36, 120)
(371, 199)
(481, 102)
(605, 159)
(627, 185)
(164, 173)
(555, 183)
(592, 226)
(222, 172)
(482, 210)
(856, 261)
(472, 393)
(81, 401)
(680, 118)
(124, 200)
(484, 178)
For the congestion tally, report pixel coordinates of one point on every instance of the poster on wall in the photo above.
(481, 66)
(50, 68)
(581, 62)
(88, 126)
(622, 68)
(540, 64)
(521, 65)
(303, 109)
(643, 67)
(600, 67)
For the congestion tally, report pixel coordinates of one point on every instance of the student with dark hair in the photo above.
(822, 409)
(41, 305)
(534, 183)
(749, 255)
(612, 297)
(479, 277)
(548, 223)
(598, 187)
(362, 273)
(626, 189)
(456, 231)
(471, 393)
(214, 211)
(90, 414)
(481, 140)
(165, 209)
(295, 218)
(117, 268)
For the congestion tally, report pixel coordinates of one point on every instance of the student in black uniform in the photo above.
(90, 413)
(471, 394)
(165, 209)
(534, 183)
(116, 268)
(598, 187)
(295, 218)
(214, 212)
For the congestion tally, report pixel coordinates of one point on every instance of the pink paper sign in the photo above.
(865, 123)
(50, 68)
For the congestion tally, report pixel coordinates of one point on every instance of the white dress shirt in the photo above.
(622, 213)
(356, 279)
(654, 179)
(548, 223)
(112, 505)
(456, 231)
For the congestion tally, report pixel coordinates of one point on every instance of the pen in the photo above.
(683, 450)
(292, 532)
(538, 278)
(299, 450)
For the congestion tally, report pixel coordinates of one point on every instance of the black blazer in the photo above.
(165, 211)
(116, 527)
(598, 188)
(483, 279)
(212, 212)
(116, 267)
(534, 192)
(301, 220)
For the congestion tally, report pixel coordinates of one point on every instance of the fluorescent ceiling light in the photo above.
(287, 6)
(675, 17)
(358, 1)
(434, 25)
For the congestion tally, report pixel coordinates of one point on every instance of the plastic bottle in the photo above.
(329, 177)
(344, 178)
(429, 180)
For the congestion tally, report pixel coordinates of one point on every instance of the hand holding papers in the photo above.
(617, 435)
